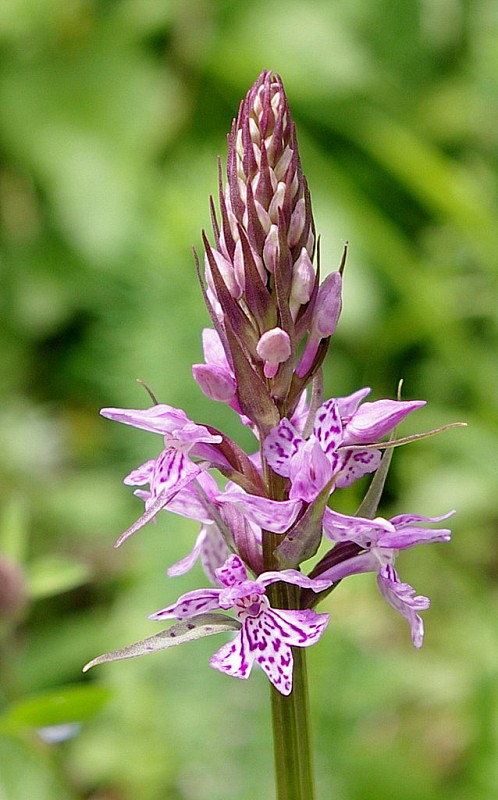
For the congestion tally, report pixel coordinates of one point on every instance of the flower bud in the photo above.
(303, 281)
(328, 306)
(215, 382)
(297, 223)
(273, 348)
(264, 200)
(270, 249)
(324, 321)
(259, 272)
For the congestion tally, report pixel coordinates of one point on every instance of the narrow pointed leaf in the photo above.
(185, 631)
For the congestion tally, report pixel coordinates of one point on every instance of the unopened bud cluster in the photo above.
(261, 284)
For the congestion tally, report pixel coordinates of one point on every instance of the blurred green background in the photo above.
(112, 115)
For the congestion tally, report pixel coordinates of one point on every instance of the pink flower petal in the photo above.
(373, 420)
(355, 464)
(190, 604)
(328, 426)
(401, 597)
(310, 471)
(232, 572)
(272, 515)
(235, 658)
(280, 446)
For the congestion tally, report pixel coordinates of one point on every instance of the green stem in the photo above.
(290, 714)
(291, 718)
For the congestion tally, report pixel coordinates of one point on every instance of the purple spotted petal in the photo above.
(187, 502)
(328, 426)
(244, 589)
(141, 475)
(236, 657)
(172, 468)
(401, 597)
(343, 528)
(272, 515)
(299, 628)
(408, 519)
(271, 634)
(295, 577)
(266, 640)
(232, 572)
(354, 464)
(280, 446)
(373, 420)
(190, 604)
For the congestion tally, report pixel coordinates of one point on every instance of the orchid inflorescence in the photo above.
(272, 319)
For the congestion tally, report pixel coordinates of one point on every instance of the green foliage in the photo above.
(113, 114)
(71, 704)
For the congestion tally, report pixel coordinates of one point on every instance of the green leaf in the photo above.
(59, 706)
(185, 631)
(55, 574)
